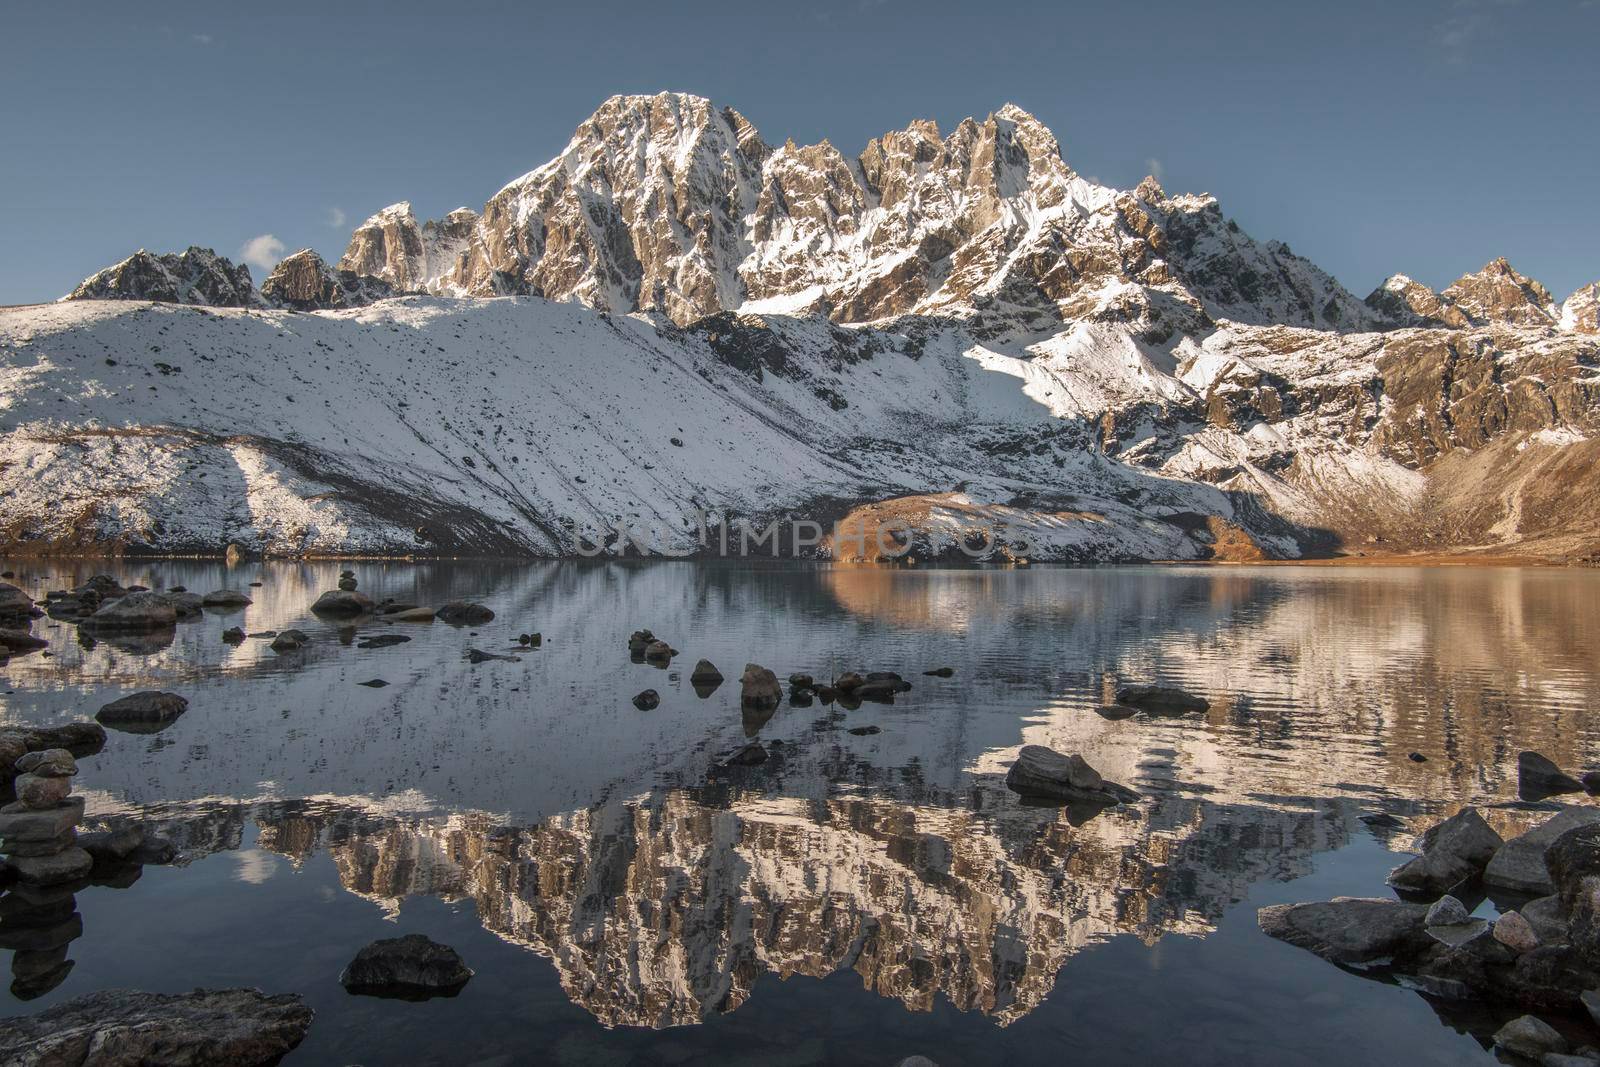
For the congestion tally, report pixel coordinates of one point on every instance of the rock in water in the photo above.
(759, 688)
(342, 603)
(705, 673)
(1538, 777)
(135, 611)
(233, 635)
(1044, 772)
(1453, 851)
(1518, 865)
(409, 968)
(1160, 698)
(464, 613)
(1349, 930)
(225, 598)
(14, 603)
(146, 708)
(647, 700)
(750, 755)
(288, 641)
(123, 1028)
(658, 652)
(1530, 1037)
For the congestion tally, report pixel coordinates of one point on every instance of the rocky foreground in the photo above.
(955, 337)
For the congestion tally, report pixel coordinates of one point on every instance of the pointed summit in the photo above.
(1498, 294)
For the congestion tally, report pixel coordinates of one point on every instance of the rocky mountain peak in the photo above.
(194, 276)
(1580, 312)
(305, 282)
(392, 248)
(1497, 293)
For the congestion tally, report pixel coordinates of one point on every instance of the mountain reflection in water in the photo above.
(663, 887)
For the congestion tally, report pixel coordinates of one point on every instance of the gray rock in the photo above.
(135, 611)
(410, 967)
(225, 598)
(1544, 915)
(146, 708)
(1353, 931)
(39, 792)
(1454, 851)
(288, 641)
(187, 605)
(124, 1028)
(1530, 1037)
(67, 865)
(1457, 934)
(705, 673)
(759, 688)
(464, 613)
(1448, 911)
(647, 700)
(342, 603)
(1160, 698)
(116, 844)
(18, 823)
(1591, 1003)
(1538, 777)
(1518, 865)
(658, 651)
(48, 763)
(1044, 772)
(1563, 1059)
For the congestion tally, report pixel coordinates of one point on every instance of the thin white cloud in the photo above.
(1470, 21)
(336, 217)
(1154, 168)
(262, 252)
(201, 38)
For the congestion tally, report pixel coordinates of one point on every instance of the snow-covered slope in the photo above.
(516, 424)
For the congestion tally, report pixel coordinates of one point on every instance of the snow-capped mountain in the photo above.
(946, 330)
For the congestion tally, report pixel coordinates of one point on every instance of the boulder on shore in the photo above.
(1044, 772)
(1349, 930)
(1574, 863)
(1530, 1037)
(1454, 851)
(1518, 865)
(14, 602)
(412, 967)
(125, 1028)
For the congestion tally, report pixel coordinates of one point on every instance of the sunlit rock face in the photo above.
(392, 247)
(196, 276)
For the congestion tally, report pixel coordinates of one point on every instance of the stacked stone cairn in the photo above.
(38, 831)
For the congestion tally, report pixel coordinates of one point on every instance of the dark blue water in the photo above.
(858, 898)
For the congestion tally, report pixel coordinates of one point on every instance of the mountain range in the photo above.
(946, 331)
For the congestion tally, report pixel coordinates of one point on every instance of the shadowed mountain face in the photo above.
(664, 889)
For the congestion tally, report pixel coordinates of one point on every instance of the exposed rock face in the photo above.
(122, 1028)
(391, 247)
(1349, 930)
(1580, 312)
(668, 203)
(1498, 294)
(196, 276)
(304, 282)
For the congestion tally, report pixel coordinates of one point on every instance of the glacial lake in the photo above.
(859, 898)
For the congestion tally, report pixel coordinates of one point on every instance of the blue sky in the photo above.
(1427, 136)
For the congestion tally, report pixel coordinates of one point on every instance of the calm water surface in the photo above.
(859, 898)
